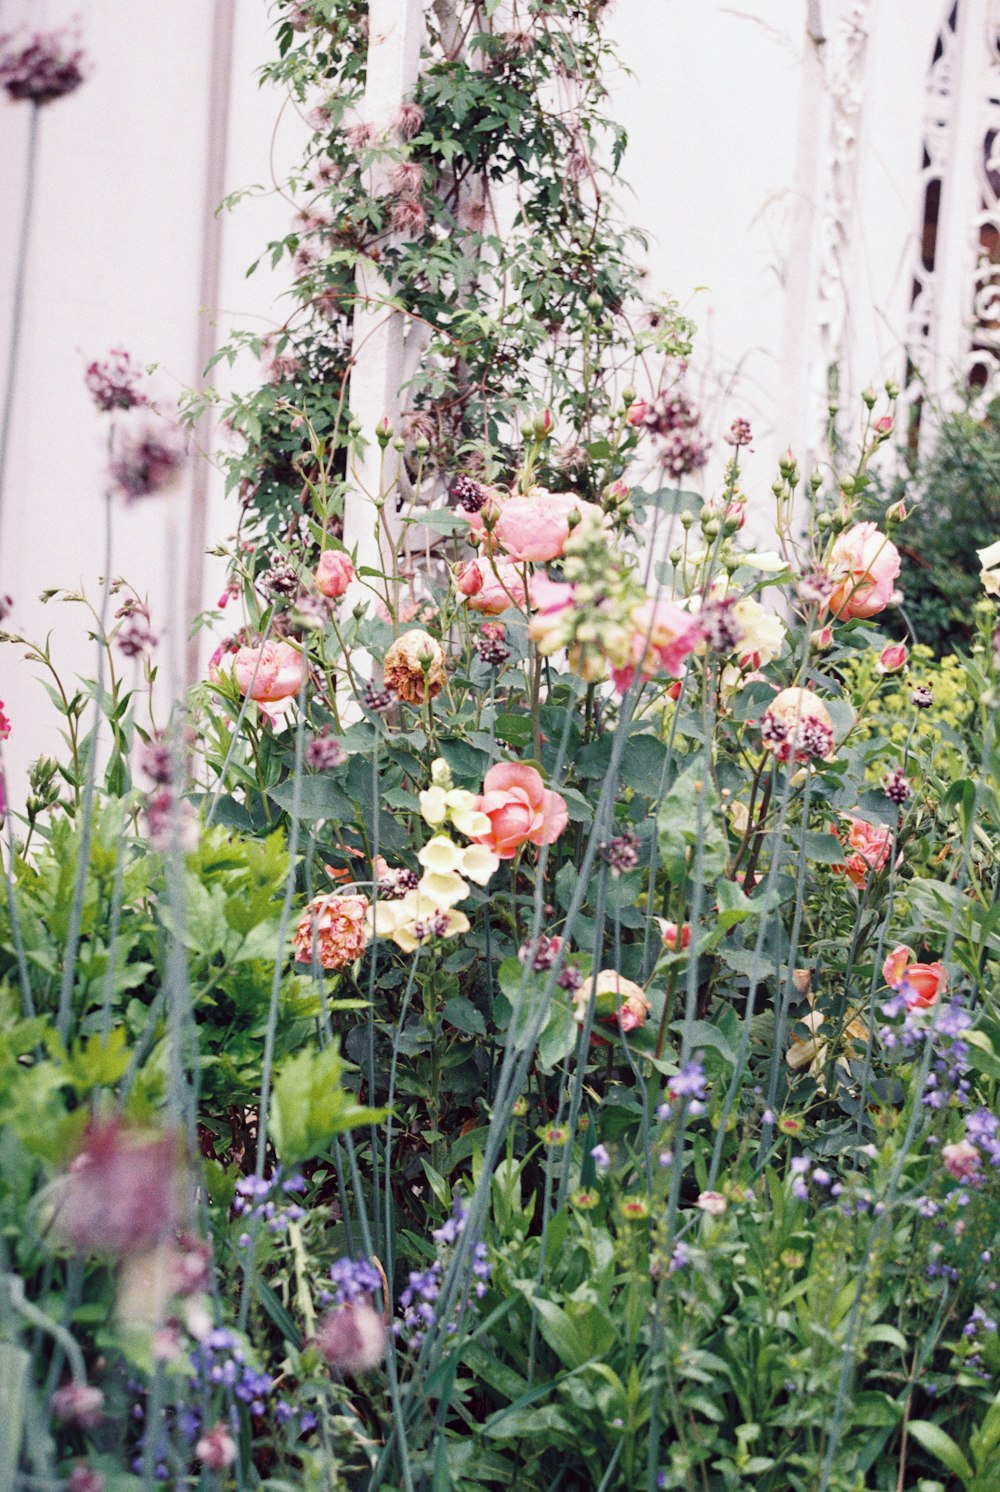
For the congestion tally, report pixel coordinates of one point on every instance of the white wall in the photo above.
(733, 118)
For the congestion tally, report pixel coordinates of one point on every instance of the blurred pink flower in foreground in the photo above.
(121, 1194)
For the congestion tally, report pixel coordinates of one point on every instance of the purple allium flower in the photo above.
(467, 492)
(622, 852)
(739, 433)
(115, 382)
(147, 460)
(719, 626)
(491, 644)
(47, 67)
(923, 696)
(78, 1404)
(896, 788)
(323, 753)
(542, 954)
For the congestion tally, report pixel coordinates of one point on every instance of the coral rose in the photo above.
(919, 984)
(871, 844)
(338, 924)
(534, 528)
(270, 674)
(520, 808)
(863, 565)
(334, 573)
(414, 667)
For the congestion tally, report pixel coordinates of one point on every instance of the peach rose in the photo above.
(488, 589)
(534, 528)
(270, 674)
(871, 844)
(334, 573)
(920, 984)
(863, 565)
(520, 808)
(338, 923)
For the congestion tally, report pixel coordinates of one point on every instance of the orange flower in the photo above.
(337, 925)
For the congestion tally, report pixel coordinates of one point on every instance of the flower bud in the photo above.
(883, 427)
(892, 388)
(383, 431)
(896, 513)
(892, 658)
(868, 398)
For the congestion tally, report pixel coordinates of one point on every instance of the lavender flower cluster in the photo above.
(418, 1301)
(255, 1201)
(947, 1081)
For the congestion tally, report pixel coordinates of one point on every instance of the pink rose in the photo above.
(920, 984)
(863, 565)
(535, 528)
(488, 588)
(334, 573)
(520, 808)
(271, 674)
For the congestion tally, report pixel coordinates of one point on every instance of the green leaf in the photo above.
(941, 1445)
(309, 1105)
(463, 1015)
(14, 1365)
(825, 848)
(690, 827)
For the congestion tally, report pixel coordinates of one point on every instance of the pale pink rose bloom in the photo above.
(714, 1203)
(864, 565)
(334, 573)
(490, 589)
(663, 636)
(961, 1160)
(534, 528)
(270, 674)
(520, 808)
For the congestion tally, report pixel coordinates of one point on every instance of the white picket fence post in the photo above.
(395, 34)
